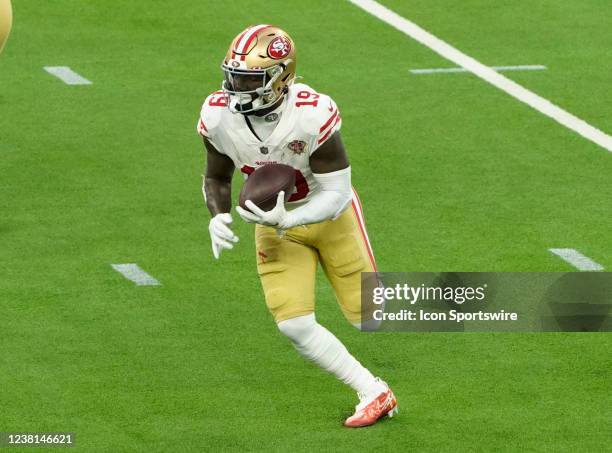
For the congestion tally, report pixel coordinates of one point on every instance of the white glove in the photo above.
(277, 217)
(221, 236)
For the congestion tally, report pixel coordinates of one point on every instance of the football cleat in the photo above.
(370, 410)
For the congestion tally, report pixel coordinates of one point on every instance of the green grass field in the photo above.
(454, 175)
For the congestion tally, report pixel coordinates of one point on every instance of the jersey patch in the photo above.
(297, 146)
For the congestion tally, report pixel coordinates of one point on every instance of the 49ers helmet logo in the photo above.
(279, 48)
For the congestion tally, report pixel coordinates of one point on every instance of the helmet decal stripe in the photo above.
(246, 36)
(237, 46)
(240, 40)
(249, 37)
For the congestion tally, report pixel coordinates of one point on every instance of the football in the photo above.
(263, 185)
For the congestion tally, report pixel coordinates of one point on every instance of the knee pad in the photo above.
(344, 257)
(299, 329)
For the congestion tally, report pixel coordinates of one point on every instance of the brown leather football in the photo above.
(263, 185)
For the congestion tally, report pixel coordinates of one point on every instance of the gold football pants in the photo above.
(287, 264)
(6, 19)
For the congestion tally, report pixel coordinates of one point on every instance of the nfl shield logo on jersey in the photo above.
(297, 146)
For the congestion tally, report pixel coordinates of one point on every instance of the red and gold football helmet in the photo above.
(6, 19)
(259, 67)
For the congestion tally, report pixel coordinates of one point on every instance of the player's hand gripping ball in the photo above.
(263, 185)
(263, 196)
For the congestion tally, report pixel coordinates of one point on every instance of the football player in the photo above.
(262, 116)
(6, 20)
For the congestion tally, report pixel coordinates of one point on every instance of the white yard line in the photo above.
(134, 273)
(486, 73)
(496, 68)
(67, 75)
(577, 259)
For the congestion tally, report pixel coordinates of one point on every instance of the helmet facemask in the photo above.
(250, 90)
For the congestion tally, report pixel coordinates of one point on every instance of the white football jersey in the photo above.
(307, 121)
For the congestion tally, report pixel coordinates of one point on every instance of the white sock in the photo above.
(318, 344)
